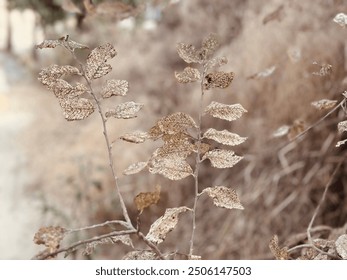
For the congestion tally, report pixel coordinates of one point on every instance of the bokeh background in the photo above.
(54, 172)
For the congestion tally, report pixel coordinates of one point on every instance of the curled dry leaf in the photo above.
(135, 137)
(90, 247)
(96, 66)
(324, 104)
(166, 223)
(141, 255)
(222, 158)
(341, 246)
(188, 75)
(225, 112)
(224, 197)
(146, 199)
(224, 137)
(341, 19)
(342, 126)
(135, 168)
(175, 123)
(126, 110)
(50, 237)
(172, 167)
(64, 42)
(218, 80)
(279, 253)
(76, 108)
(115, 87)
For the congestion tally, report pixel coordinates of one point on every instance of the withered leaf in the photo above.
(224, 137)
(63, 89)
(210, 44)
(146, 199)
(342, 126)
(341, 19)
(49, 75)
(126, 110)
(175, 144)
(64, 42)
(341, 246)
(188, 75)
(222, 158)
(76, 108)
(96, 66)
(225, 112)
(176, 122)
(125, 239)
(166, 223)
(340, 143)
(218, 79)
(324, 104)
(135, 137)
(279, 253)
(224, 197)
(135, 168)
(115, 87)
(50, 237)
(281, 131)
(172, 167)
(189, 53)
(216, 62)
(141, 255)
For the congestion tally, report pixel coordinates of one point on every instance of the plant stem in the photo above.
(197, 164)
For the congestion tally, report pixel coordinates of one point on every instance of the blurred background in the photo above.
(54, 172)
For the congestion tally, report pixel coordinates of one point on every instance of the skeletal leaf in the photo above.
(279, 253)
(175, 145)
(342, 126)
(210, 44)
(189, 53)
(222, 158)
(341, 246)
(224, 197)
(63, 41)
(135, 168)
(173, 167)
(224, 137)
(135, 137)
(188, 75)
(76, 108)
(146, 199)
(96, 66)
(49, 75)
(90, 247)
(218, 80)
(281, 131)
(166, 223)
(62, 89)
(225, 112)
(50, 237)
(324, 104)
(216, 62)
(341, 19)
(155, 132)
(140, 255)
(115, 87)
(176, 122)
(126, 110)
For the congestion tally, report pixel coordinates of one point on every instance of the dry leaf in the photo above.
(96, 66)
(225, 112)
(189, 53)
(175, 145)
(50, 237)
(224, 197)
(263, 74)
(296, 128)
(216, 62)
(135, 137)
(49, 75)
(188, 75)
(115, 87)
(340, 143)
(224, 137)
(341, 19)
(325, 69)
(144, 200)
(218, 80)
(62, 89)
(341, 246)
(166, 223)
(280, 254)
(90, 247)
(126, 110)
(175, 123)
(76, 108)
(222, 158)
(342, 126)
(135, 168)
(324, 104)
(281, 131)
(141, 255)
(173, 167)
(210, 44)
(63, 41)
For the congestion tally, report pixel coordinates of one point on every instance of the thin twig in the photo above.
(150, 245)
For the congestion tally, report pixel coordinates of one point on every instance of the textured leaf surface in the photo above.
(126, 110)
(222, 158)
(342, 126)
(140, 255)
(115, 87)
(76, 108)
(225, 112)
(175, 123)
(125, 239)
(173, 167)
(146, 199)
(279, 253)
(218, 80)
(62, 89)
(135, 137)
(341, 246)
(64, 42)
(96, 66)
(188, 75)
(224, 137)
(216, 62)
(166, 223)
(49, 75)
(324, 104)
(188, 53)
(50, 237)
(135, 168)
(210, 44)
(224, 197)
(175, 145)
